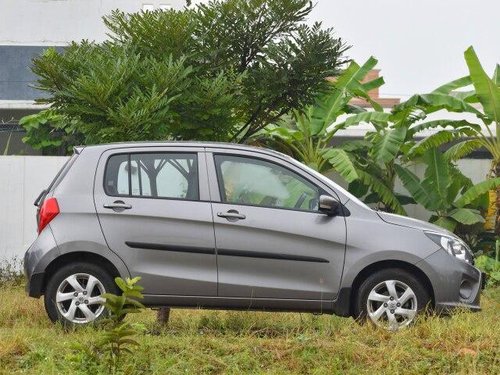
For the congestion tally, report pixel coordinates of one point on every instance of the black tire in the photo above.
(60, 275)
(418, 287)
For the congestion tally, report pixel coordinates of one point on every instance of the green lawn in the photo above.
(247, 342)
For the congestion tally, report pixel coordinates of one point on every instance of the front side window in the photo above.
(256, 182)
(153, 175)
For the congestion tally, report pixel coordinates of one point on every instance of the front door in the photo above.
(151, 209)
(271, 240)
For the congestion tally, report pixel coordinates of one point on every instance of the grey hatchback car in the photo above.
(227, 226)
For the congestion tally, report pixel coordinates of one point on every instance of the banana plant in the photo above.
(368, 164)
(445, 191)
(476, 94)
(372, 161)
(307, 135)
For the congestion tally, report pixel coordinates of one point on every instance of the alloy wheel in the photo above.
(392, 305)
(79, 298)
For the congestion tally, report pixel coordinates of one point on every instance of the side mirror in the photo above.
(329, 205)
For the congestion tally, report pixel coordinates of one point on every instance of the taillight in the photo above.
(48, 211)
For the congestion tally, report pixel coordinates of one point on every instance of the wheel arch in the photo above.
(385, 264)
(79, 256)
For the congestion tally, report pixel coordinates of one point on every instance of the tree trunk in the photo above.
(163, 315)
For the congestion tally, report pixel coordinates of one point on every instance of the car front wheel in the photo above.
(74, 293)
(391, 299)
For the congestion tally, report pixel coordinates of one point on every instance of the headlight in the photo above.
(453, 245)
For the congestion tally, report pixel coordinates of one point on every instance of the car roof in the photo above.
(224, 145)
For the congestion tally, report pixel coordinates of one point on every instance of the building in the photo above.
(27, 27)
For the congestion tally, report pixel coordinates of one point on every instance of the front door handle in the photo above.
(231, 215)
(118, 205)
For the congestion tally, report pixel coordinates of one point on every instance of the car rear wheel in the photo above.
(391, 299)
(73, 294)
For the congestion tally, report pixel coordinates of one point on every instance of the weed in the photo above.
(11, 271)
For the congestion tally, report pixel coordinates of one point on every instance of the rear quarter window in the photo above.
(153, 175)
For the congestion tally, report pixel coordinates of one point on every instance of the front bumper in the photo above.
(455, 283)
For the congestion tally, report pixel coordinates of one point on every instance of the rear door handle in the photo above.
(231, 215)
(118, 205)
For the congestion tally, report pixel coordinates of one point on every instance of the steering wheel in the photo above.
(301, 200)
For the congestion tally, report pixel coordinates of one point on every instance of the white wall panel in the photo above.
(22, 179)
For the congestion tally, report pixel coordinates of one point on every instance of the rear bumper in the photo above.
(34, 281)
(35, 285)
(36, 260)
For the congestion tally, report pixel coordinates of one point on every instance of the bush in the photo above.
(490, 266)
(11, 271)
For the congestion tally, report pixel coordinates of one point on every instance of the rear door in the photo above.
(271, 240)
(154, 211)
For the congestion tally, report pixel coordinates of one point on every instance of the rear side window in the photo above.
(153, 175)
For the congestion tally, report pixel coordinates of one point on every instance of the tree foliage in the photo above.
(368, 165)
(307, 134)
(219, 71)
(476, 94)
(50, 132)
(444, 190)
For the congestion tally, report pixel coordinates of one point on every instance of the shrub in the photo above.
(11, 271)
(117, 337)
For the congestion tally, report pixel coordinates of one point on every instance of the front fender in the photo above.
(351, 271)
(343, 303)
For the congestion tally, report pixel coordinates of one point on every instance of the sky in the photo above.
(419, 43)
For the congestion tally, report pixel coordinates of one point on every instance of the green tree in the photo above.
(50, 132)
(217, 71)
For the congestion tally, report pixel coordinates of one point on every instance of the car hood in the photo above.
(411, 223)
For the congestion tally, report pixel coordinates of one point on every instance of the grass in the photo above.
(215, 342)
